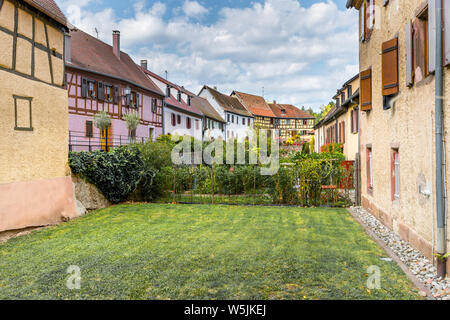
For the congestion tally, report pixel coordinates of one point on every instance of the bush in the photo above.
(116, 174)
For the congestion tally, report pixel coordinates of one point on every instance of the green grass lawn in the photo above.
(201, 252)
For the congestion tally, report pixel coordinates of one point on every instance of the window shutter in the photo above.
(446, 5)
(343, 132)
(101, 91)
(366, 90)
(431, 36)
(389, 67)
(173, 120)
(408, 50)
(138, 100)
(84, 87)
(116, 95)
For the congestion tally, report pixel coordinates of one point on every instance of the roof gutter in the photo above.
(440, 162)
(115, 78)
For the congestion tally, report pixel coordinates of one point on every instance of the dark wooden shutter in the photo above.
(408, 52)
(366, 90)
(84, 87)
(101, 90)
(431, 36)
(138, 100)
(389, 67)
(343, 131)
(116, 95)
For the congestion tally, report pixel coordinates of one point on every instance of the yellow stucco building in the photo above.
(35, 183)
(341, 124)
(397, 56)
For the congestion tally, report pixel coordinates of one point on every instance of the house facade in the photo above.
(181, 116)
(239, 122)
(213, 124)
(100, 77)
(35, 182)
(258, 107)
(341, 124)
(400, 183)
(292, 122)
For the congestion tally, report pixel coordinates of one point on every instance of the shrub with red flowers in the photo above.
(332, 148)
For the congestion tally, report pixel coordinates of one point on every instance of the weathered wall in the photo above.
(34, 185)
(409, 125)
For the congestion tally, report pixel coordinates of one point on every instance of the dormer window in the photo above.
(349, 91)
(179, 96)
(283, 111)
(343, 97)
(168, 91)
(189, 100)
(337, 103)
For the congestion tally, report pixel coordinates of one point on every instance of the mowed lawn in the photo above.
(201, 252)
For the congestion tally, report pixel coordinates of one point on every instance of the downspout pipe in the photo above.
(440, 198)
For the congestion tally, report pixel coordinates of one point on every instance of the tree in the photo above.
(132, 121)
(324, 111)
(102, 121)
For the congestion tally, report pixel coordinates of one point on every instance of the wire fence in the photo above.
(298, 184)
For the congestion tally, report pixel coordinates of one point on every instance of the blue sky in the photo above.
(300, 51)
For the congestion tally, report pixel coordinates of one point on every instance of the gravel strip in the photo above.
(418, 264)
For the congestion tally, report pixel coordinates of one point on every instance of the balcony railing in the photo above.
(78, 141)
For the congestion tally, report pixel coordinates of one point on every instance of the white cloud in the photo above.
(301, 55)
(193, 9)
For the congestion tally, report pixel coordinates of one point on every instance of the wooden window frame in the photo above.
(395, 174)
(16, 126)
(90, 132)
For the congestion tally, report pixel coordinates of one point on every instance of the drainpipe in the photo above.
(440, 185)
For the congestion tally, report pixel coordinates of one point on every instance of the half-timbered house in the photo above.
(239, 122)
(181, 116)
(213, 123)
(35, 183)
(100, 77)
(258, 107)
(291, 122)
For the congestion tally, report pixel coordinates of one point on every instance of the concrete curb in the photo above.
(394, 257)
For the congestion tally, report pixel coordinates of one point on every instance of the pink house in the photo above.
(100, 77)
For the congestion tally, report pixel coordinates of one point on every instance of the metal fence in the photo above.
(78, 141)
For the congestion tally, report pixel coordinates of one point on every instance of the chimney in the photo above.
(274, 101)
(116, 43)
(144, 64)
(67, 48)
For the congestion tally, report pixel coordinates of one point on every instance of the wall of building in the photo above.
(408, 126)
(35, 184)
(181, 129)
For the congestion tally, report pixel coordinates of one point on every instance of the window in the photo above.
(338, 103)
(92, 92)
(189, 100)
(395, 169)
(89, 129)
(154, 105)
(133, 100)
(366, 19)
(179, 96)
(349, 92)
(342, 132)
(188, 123)
(228, 118)
(232, 119)
(109, 93)
(23, 113)
(178, 119)
(343, 96)
(243, 121)
(174, 122)
(248, 122)
(366, 90)
(354, 120)
(420, 46)
(168, 91)
(369, 169)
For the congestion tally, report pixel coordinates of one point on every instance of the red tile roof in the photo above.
(50, 8)
(290, 111)
(91, 54)
(255, 104)
(230, 104)
(172, 101)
